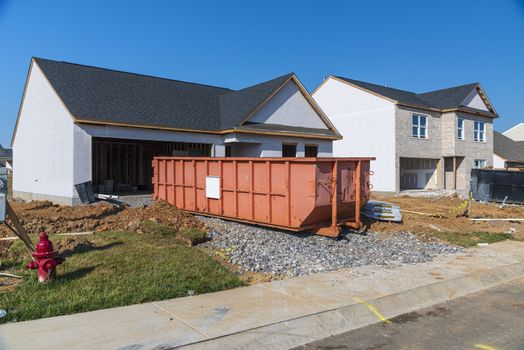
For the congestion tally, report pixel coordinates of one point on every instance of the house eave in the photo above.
(215, 132)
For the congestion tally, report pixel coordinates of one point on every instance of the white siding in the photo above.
(367, 124)
(516, 133)
(475, 101)
(289, 107)
(271, 146)
(43, 146)
(498, 162)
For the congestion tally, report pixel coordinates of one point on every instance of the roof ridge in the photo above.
(132, 73)
(448, 88)
(382, 86)
(263, 82)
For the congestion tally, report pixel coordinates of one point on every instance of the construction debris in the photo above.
(382, 211)
(465, 207)
(434, 215)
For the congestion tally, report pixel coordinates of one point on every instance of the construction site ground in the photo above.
(437, 216)
(440, 219)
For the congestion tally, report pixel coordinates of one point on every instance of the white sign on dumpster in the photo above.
(213, 187)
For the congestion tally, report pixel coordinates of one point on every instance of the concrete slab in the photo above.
(227, 312)
(137, 326)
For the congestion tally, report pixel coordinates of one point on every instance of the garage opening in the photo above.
(124, 166)
(418, 173)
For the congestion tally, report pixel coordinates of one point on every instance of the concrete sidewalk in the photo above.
(276, 315)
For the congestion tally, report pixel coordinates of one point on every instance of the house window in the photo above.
(479, 132)
(419, 128)
(480, 163)
(311, 151)
(228, 150)
(460, 128)
(289, 150)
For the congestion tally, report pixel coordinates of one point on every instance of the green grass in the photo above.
(469, 239)
(112, 269)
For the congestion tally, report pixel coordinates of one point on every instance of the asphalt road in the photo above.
(491, 319)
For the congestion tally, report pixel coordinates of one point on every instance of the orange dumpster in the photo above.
(296, 194)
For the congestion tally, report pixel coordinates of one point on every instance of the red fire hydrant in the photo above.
(46, 259)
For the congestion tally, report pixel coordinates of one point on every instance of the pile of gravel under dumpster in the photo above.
(265, 250)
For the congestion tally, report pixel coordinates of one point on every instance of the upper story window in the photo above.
(460, 128)
(419, 128)
(479, 132)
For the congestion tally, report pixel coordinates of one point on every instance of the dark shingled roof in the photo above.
(507, 148)
(109, 96)
(6, 153)
(449, 98)
(236, 106)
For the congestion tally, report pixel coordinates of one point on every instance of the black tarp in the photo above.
(495, 185)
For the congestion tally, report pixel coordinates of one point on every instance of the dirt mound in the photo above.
(36, 216)
(160, 212)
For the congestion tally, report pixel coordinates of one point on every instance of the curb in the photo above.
(305, 329)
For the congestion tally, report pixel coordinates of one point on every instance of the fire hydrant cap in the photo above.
(44, 246)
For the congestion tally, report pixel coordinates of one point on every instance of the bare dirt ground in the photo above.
(99, 217)
(447, 207)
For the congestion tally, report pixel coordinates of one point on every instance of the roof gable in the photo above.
(237, 106)
(289, 107)
(454, 98)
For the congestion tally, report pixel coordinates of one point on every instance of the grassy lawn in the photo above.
(470, 239)
(112, 269)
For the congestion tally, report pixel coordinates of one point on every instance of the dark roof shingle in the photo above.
(101, 95)
(507, 148)
(449, 98)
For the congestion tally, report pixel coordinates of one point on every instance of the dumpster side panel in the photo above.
(302, 183)
(289, 193)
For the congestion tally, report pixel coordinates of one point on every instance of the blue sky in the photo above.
(412, 45)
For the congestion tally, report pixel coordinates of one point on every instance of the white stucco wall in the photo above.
(289, 107)
(367, 124)
(43, 147)
(516, 133)
(475, 101)
(498, 162)
(271, 146)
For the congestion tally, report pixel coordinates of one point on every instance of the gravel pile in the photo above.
(281, 253)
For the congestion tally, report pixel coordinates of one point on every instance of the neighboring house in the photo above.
(80, 123)
(516, 133)
(6, 158)
(421, 141)
(507, 153)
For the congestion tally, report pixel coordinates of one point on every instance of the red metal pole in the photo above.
(334, 200)
(358, 174)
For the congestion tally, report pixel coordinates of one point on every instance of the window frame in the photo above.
(311, 145)
(483, 161)
(460, 129)
(288, 144)
(418, 126)
(478, 131)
